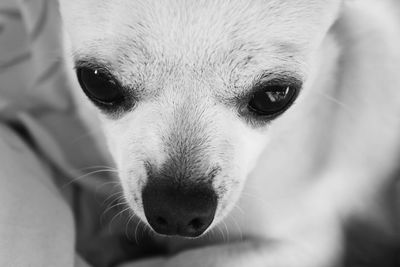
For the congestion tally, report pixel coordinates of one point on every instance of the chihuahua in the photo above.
(276, 123)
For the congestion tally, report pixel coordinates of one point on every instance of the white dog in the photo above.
(277, 122)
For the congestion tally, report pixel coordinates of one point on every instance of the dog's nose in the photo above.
(179, 210)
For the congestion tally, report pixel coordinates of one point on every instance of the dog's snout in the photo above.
(179, 210)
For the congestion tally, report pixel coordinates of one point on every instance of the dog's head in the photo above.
(187, 91)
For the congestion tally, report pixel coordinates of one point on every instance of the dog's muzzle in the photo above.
(173, 208)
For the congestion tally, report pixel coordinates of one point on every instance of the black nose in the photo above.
(179, 210)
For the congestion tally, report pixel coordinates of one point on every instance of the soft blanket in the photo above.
(55, 185)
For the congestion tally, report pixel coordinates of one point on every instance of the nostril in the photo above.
(196, 224)
(185, 211)
(161, 221)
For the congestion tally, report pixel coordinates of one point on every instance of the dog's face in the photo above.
(188, 91)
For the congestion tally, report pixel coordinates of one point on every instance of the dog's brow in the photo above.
(91, 62)
(277, 75)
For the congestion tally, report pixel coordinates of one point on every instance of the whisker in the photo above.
(211, 233)
(222, 233)
(138, 225)
(114, 184)
(227, 230)
(336, 101)
(112, 207)
(239, 209)
(258, 199)
(237, 226)
(115, 216)
(99, 167)
(119, 202)
(130, 219)
(84, 176)
(119, 195)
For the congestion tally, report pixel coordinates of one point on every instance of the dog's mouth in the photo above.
(174, 209)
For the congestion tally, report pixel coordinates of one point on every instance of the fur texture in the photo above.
(286, 188)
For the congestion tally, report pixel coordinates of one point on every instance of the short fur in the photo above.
(288, 188)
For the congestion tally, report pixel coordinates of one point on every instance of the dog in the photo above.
(274, 122)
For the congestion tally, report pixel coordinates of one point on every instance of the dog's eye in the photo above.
(99, 87)
(272, 100)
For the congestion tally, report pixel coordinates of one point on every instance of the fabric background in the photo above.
(35, 102)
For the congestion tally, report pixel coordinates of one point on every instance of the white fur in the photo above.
(295, 181)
